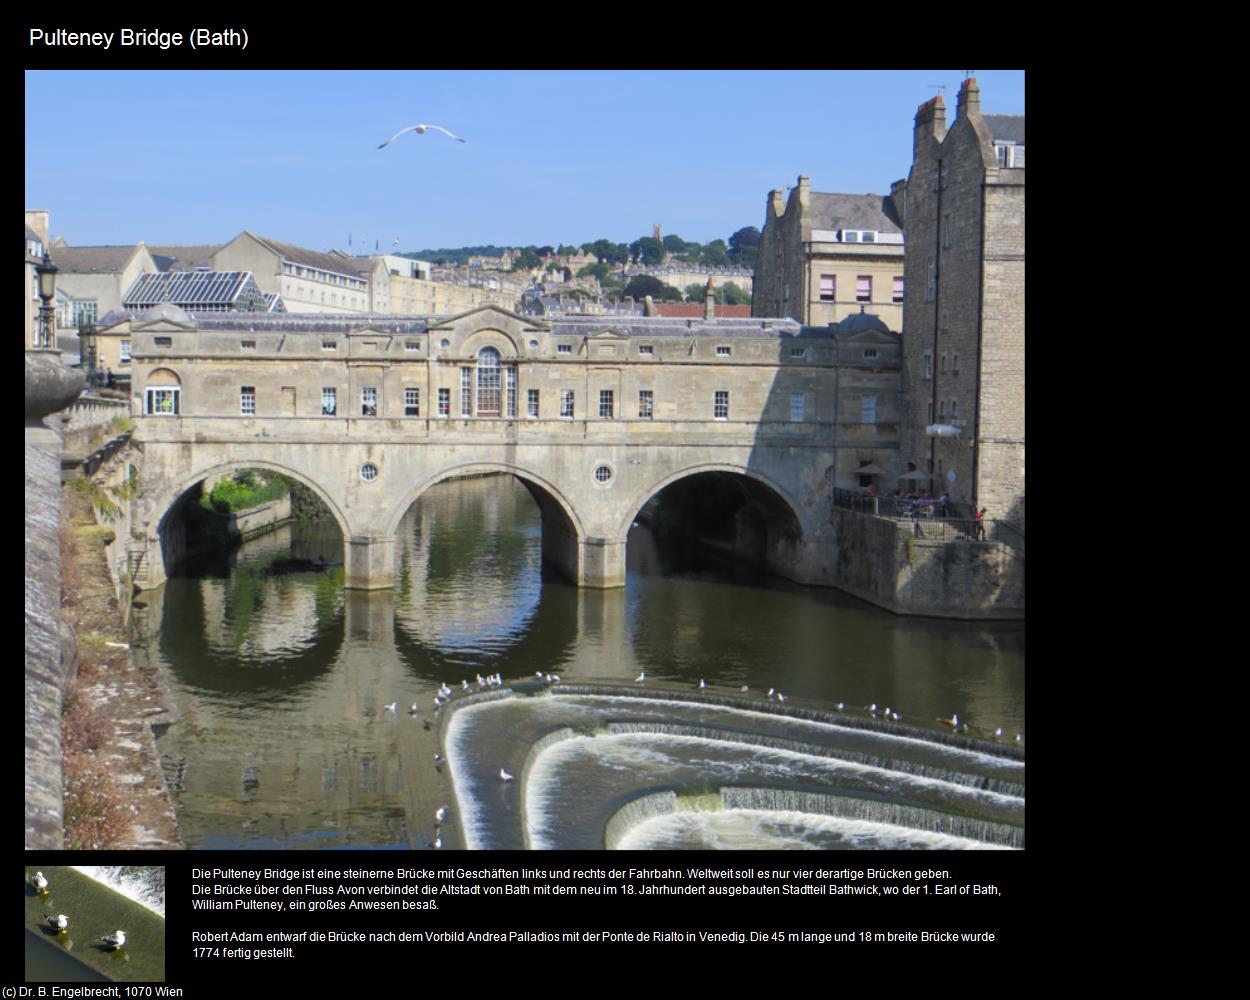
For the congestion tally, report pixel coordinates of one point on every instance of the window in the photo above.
(828, 287)
(163, 401)
(412, 345)
(798, 352)
(368, 402)
(368, 472)
(329, 401)
(870, 354)
(1009, 155)
(84, 312)
(125, 352)
(943, 364)
(723, 351)
(646, 404)
(605, 403)
(928, 366)
(946, 230)
(412, 401)
(646, 349)
(798, 406)
(489, 384)
(466, 393)
(531, 402)
(248, 345)
(509, 382)
(247, 400)
(720, 405)
(603, 474)
(929, 412)
(954, 410)
(444, 402)
(898, 290)
(566, 403)
(564, 348)
(863, 288)
(930, 286)
(163, 341)
(955, 365)
(329, 345)
(868, 409)
(941, 411)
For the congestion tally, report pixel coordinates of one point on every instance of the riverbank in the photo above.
(115, 792)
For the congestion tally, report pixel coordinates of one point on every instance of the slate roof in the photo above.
(1006, 128)
(853, 211)
(184, 258)
(694, 310)
(333, 262)
(91, 260)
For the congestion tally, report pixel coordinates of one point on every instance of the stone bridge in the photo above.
(594, 415)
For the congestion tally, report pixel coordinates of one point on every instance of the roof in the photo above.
(853, 211)
(334, 262)
(193, 288)
(32, 235)
(184, 258)
(91, 260)
(1005, 128)
(694, 310)
(861, 321)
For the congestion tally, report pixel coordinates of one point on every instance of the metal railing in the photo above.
(930, 521)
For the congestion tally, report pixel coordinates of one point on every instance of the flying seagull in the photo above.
(113, 940)
(420, 130)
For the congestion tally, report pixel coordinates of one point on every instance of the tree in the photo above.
(567, 250)
(608, 252)
(599, 271)
(675, 244)
(648, 250)
(714, 254)
(642, 285)
(527, 260)
(732, 295)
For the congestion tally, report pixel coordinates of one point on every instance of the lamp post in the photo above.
(47, 272)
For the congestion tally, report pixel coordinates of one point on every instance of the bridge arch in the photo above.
(784, 499)
(564, 534)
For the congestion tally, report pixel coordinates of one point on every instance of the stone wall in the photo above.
(882, 562)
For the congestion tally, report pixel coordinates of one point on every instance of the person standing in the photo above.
(980, 525)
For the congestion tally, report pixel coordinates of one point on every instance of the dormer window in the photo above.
(1009, 154)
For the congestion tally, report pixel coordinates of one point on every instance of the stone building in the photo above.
(36, 240)
(963, 333)
(823, 257)
(95, 279)
(307, 280)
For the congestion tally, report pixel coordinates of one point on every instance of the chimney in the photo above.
(777, 203)
(969, 100)
(930, 122)
(648, 307)
(709, 302)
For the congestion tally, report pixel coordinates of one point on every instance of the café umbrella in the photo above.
(915, 474)
(871, 469)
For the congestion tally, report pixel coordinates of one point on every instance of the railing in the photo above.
(930, 521)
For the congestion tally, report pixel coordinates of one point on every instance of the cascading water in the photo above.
(605, 767)
(145, 884)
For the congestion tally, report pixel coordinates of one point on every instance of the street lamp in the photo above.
(47, 272)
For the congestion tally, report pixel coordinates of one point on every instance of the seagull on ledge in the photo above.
(504, 775)
(640, 678)
(38, 881)
(113, 940)
(391, 707)
(953, 721)
(441, 814)
(59, 922)
(420, 130)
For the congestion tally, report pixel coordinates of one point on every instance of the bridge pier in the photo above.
(603, 564)
(368, 562)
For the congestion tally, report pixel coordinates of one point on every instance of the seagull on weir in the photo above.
(58, 923)
(702, 684)
(113, 940)
(504, 775)
(953, 721)
(38, 881)
(414, 710)
(840, 706)
(391, 707)
(640, 678)
(437, 842)
(440, 815)
(421, 130)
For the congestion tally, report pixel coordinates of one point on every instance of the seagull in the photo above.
(392, 706)
(426, 724)
(438, 758)
(640, 678)
(504, 775)
(414, 710)
(420, 130)
(998, 731)
(702, 684)
(437, 842)
(841, 705)
(872, 708)
(1019, 738)
(441, 814)
(953, 721)
(59, 922)
(38, 881)
(113, 940)
(780, 696)
(745, 688)
(553, 678)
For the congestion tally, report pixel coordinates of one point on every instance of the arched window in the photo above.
(489, 383)
(163, 394)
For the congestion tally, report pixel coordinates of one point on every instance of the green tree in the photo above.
(528, 259)
(675, 245)
(642, 285)
(648, 250)
(714, 254)
(599, 271)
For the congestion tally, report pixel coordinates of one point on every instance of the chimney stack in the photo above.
(709, 302)
(930, 122)
(969, 100)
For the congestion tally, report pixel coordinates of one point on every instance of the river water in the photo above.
(283, 679)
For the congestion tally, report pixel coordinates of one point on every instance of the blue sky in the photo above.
(553, 156)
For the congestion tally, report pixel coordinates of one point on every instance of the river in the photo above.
(283, 682)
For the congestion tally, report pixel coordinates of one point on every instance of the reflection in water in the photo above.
(281, 677)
